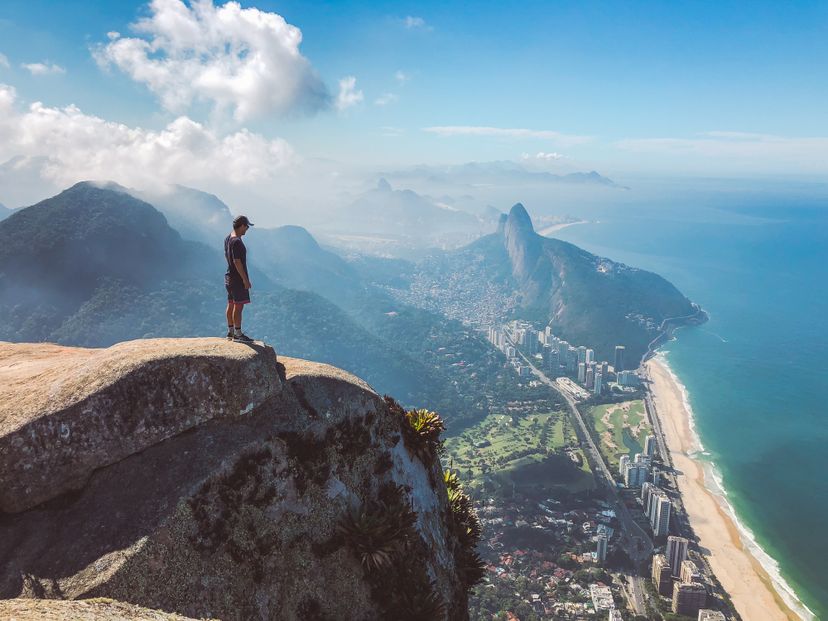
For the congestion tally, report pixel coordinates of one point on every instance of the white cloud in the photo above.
(43, 68)
(503, 132)
(348, 95)
(401, 77)
(4, 62)
(78, 146)
(415, 23)
(548, 157)
(245, 60)
(385, 99)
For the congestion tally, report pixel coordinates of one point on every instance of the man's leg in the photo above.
(237, 316)
(229, 314)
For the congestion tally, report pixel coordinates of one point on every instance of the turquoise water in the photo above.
(756, 372)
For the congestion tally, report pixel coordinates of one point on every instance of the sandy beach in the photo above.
(739, 572)
(546, 231)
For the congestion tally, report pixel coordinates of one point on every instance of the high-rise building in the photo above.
(656, 477)
(676, 552)
(598, 384)
(635, 475)
(601, 550)
(641, 458)
(689, 572)
(589, 356)
(622, 465)
(711, 615)
(605, 370)
(649, 501)
(660, 514)
(650, 445)
(628, 378)
(582, 354)
(689, 598)
(646, 490)
(661, 575)
(582, 372)
(619, 358)
(572, 357)
(590, 377)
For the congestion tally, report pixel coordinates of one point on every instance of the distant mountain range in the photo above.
(386, 211)
(94, 265)
(505, 172)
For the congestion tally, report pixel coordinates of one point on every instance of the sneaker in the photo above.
(230, 334)
(242, 338)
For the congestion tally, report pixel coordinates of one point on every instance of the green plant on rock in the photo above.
(422, 430)
(451, 480)
(470, 567)
(420, 604)
(466, 525)
(377, 532)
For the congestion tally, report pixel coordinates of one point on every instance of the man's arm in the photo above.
(242, 272)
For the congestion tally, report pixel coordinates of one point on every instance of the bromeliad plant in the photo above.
(467, 528)
(422, 431)
(378, 533)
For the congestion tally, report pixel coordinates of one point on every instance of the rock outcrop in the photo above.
(87, 610)
(204, 478)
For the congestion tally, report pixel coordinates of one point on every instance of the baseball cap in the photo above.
(239, 220)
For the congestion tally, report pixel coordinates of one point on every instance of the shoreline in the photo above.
(546, 231)
(731, 549)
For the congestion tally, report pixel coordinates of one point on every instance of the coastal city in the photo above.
(620, 549)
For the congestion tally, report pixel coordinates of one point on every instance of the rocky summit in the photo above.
(201, 478)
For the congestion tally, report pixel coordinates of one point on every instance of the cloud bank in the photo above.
(77, 146)
(241, 59)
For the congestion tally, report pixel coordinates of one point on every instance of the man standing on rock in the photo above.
(236, 280)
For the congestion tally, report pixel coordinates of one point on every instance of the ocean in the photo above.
(755, 374)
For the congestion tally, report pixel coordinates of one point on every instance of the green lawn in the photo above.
(521, 452)
(628, 428)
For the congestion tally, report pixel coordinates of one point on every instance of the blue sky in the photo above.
(698, 88)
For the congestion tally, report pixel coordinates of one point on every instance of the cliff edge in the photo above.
(205, 478)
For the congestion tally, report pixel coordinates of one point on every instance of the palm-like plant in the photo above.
(377, 533)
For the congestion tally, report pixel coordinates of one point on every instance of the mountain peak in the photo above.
(519, 219)
(522, 243)
(383, 185)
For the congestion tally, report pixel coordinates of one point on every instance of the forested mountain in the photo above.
(589, 300)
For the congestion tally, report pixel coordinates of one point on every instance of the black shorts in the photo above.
(236, 293)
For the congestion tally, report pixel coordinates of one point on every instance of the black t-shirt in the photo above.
(234, 249)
